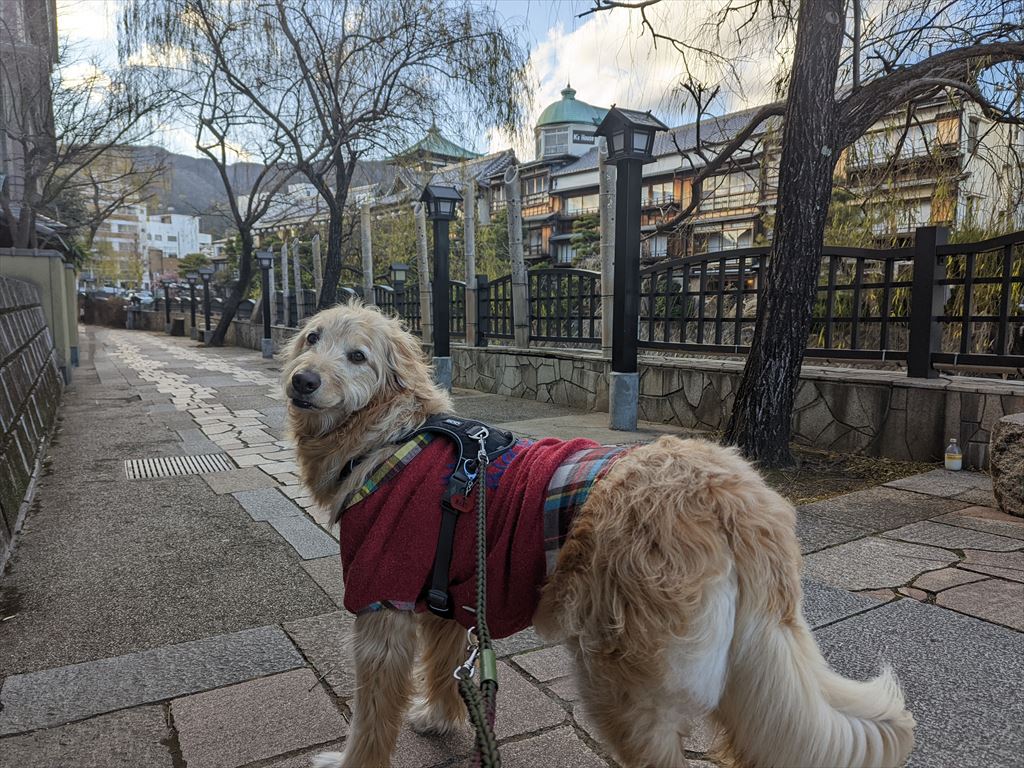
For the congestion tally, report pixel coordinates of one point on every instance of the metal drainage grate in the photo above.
(171, 466)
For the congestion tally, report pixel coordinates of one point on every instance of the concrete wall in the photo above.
(55, 281)
(30, 390)
(849, 410)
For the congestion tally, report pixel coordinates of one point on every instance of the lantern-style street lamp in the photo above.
(167, 305)
(266, 262)
(206, 273)
(630, 136)
(399, 272)
(193, 278)
(441, 201)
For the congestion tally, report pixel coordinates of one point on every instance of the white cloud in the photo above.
(611, 59)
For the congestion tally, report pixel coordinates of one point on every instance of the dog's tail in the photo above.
(783, 706)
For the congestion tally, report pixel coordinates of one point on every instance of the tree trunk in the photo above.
(332, 267)
(238, 291)
(761, 417)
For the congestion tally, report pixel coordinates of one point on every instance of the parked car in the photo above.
(145, 298)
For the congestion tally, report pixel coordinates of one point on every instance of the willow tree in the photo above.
(336, 81)
(844, 71)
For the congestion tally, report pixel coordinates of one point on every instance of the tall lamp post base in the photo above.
(207, 335)
(623, 397)
(267, 345)
(443, 372)
(193, 332)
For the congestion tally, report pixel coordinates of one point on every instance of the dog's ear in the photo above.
(399, 360)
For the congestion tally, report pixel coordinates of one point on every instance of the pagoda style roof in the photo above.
(436, 145)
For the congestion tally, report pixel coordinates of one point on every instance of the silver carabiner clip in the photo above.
(467, 669)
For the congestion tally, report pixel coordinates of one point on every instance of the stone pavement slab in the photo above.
(824, 604)
(986, 519)
(239, 480)
(936, 581)
(309, 540)
(325, 641)
(265, 504)
(326, 571)
(524, 640)
(953, 537)
(547, 663)
(942, 482)
(874, 563)
(1007, 565)
(816, 532)
(962, 678)
(129, 739)
(114, 567)
(59, 695)
(522, 707)
(1001, 602)
(560, 748)
(262, 718)
(881, 508)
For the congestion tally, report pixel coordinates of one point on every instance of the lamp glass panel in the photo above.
(641, 140)
(448, 208)
(618, 139)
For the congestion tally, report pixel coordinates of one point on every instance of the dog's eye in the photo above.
(312, 338)
(356, 357)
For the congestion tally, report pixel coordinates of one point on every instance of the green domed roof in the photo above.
(569, 110)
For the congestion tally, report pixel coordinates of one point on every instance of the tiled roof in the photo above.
(714, 130)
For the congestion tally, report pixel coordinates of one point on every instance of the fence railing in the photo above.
(565, 305)
(928, 304)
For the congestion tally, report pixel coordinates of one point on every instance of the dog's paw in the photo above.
(328, 760)
(426, 718)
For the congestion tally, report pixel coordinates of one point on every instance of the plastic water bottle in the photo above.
(954, 458)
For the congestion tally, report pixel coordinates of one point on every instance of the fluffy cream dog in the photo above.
(677, 591)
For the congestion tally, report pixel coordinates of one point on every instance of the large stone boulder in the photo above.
(1006, 463)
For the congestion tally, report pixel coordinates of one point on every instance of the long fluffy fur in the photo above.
(677, 591)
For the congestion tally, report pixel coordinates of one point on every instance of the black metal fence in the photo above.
(499, 309)
(565, 305)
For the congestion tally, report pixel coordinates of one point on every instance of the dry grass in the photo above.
(821, 475)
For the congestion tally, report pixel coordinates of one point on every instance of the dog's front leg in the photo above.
(384, 649)
(439, 709)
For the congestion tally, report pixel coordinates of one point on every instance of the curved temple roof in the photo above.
(570, 110)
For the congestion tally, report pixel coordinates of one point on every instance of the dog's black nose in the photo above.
(305, 382)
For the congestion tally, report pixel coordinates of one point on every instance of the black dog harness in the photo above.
(468, 435)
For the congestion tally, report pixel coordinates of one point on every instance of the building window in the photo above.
(556, 142)
(172, 238)
(660, 193)
(728, 238)
(535, 189)
(566, 253)
(973, 130)
(581, 204)
(654, 248)
(731, 190)
(158, 237)
(535, 243)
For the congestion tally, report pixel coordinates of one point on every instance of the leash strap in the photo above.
(481, 703)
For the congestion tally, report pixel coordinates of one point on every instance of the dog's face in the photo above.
(343, 359)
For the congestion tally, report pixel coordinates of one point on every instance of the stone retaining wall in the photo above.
(30, 390)
(848, 410)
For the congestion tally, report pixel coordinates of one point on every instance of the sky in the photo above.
(607, 57)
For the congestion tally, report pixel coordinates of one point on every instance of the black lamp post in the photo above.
(266, 262)
(399, 271)
(441, 202)
(167, 305)
(193, 278)
(206, 273)
(630, 135)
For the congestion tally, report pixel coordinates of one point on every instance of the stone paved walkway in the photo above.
(193, 621)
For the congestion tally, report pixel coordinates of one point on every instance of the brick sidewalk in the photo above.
(194, 620)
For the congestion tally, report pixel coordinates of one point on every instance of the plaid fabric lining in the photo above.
(398, 460)
(568, 490)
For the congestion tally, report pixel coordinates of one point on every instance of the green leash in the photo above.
(480, 701)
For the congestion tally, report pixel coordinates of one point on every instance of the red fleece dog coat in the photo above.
(389, 527)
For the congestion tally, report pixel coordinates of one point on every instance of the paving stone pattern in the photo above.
(923, 573)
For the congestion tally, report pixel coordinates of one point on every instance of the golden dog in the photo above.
(677, 591)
